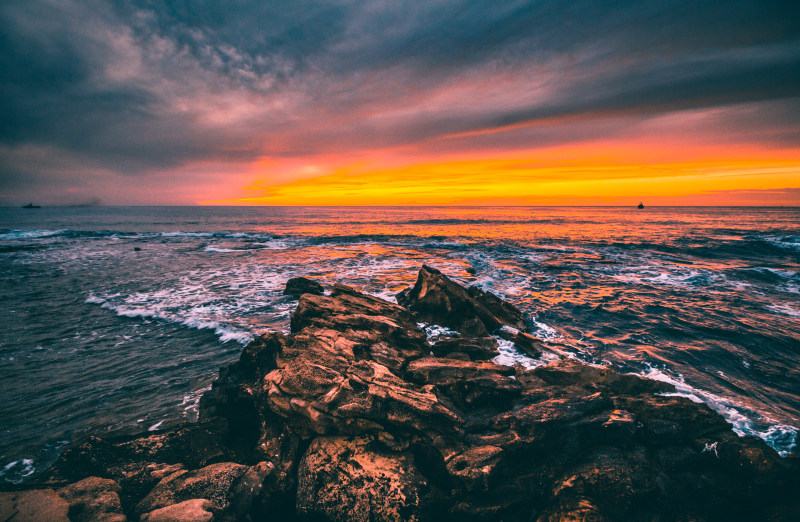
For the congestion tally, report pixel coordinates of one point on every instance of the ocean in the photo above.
(116, 320)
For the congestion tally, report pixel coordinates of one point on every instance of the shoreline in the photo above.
(356, 415)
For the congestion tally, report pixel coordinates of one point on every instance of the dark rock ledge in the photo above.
(355, 416)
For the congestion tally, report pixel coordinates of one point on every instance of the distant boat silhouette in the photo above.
(31, 205)
(641, 205)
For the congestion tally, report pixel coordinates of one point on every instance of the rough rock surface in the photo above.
(355, 415)
(33, 505)
(195, 510)
(356, 479)
(94, 498)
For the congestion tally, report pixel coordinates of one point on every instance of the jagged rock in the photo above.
(438, 300)
(93, 498)
(194, 510)
(361, 397)
(349, 479)
(298, 286)
(34, 505)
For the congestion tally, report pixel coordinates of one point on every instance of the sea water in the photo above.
(116, 320)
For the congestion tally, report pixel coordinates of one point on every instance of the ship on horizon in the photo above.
(641, 205)
(31, 205)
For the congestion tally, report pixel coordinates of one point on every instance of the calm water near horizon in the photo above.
(117, 319)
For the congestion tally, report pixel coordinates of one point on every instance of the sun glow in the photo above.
(591, 174)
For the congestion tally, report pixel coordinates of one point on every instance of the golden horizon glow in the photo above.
(597, 173)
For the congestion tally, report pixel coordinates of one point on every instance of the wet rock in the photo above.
(298, 286)
(34, 505)
(94, 498)
(437, 299)
(194, 510)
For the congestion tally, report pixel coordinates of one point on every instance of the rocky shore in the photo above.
(358, 415)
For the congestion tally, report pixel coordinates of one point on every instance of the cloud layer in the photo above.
(189, 96)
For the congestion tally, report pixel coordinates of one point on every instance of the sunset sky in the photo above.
(389, 102)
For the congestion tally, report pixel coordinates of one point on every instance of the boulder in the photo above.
(93, 498)
(298, 286)
(34, 505)
(438, 300)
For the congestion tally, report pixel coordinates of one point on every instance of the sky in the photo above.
(441, 102)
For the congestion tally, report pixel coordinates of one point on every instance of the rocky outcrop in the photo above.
(437, 299)
(357, 415)
(298, 286)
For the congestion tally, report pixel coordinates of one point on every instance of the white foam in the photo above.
(29, 234)
(744, 420)
(93, 299)
(784, 310)
(432, 331)
(212, 248)
(155, 426)
(546, 332)
(157, 305)
(509, 355)
(509, 329)
(17, 471)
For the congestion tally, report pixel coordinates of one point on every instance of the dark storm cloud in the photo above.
(138, 85)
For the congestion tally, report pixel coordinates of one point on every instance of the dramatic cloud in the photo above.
(199, 99)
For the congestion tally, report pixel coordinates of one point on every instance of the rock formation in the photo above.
(298, 286)
(357, 415)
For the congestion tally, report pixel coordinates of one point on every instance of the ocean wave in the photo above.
(29, 234)
(788, 242)
(191, 403)
(67, 233)
(745, 421)
(191, 316)
(273, 244)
